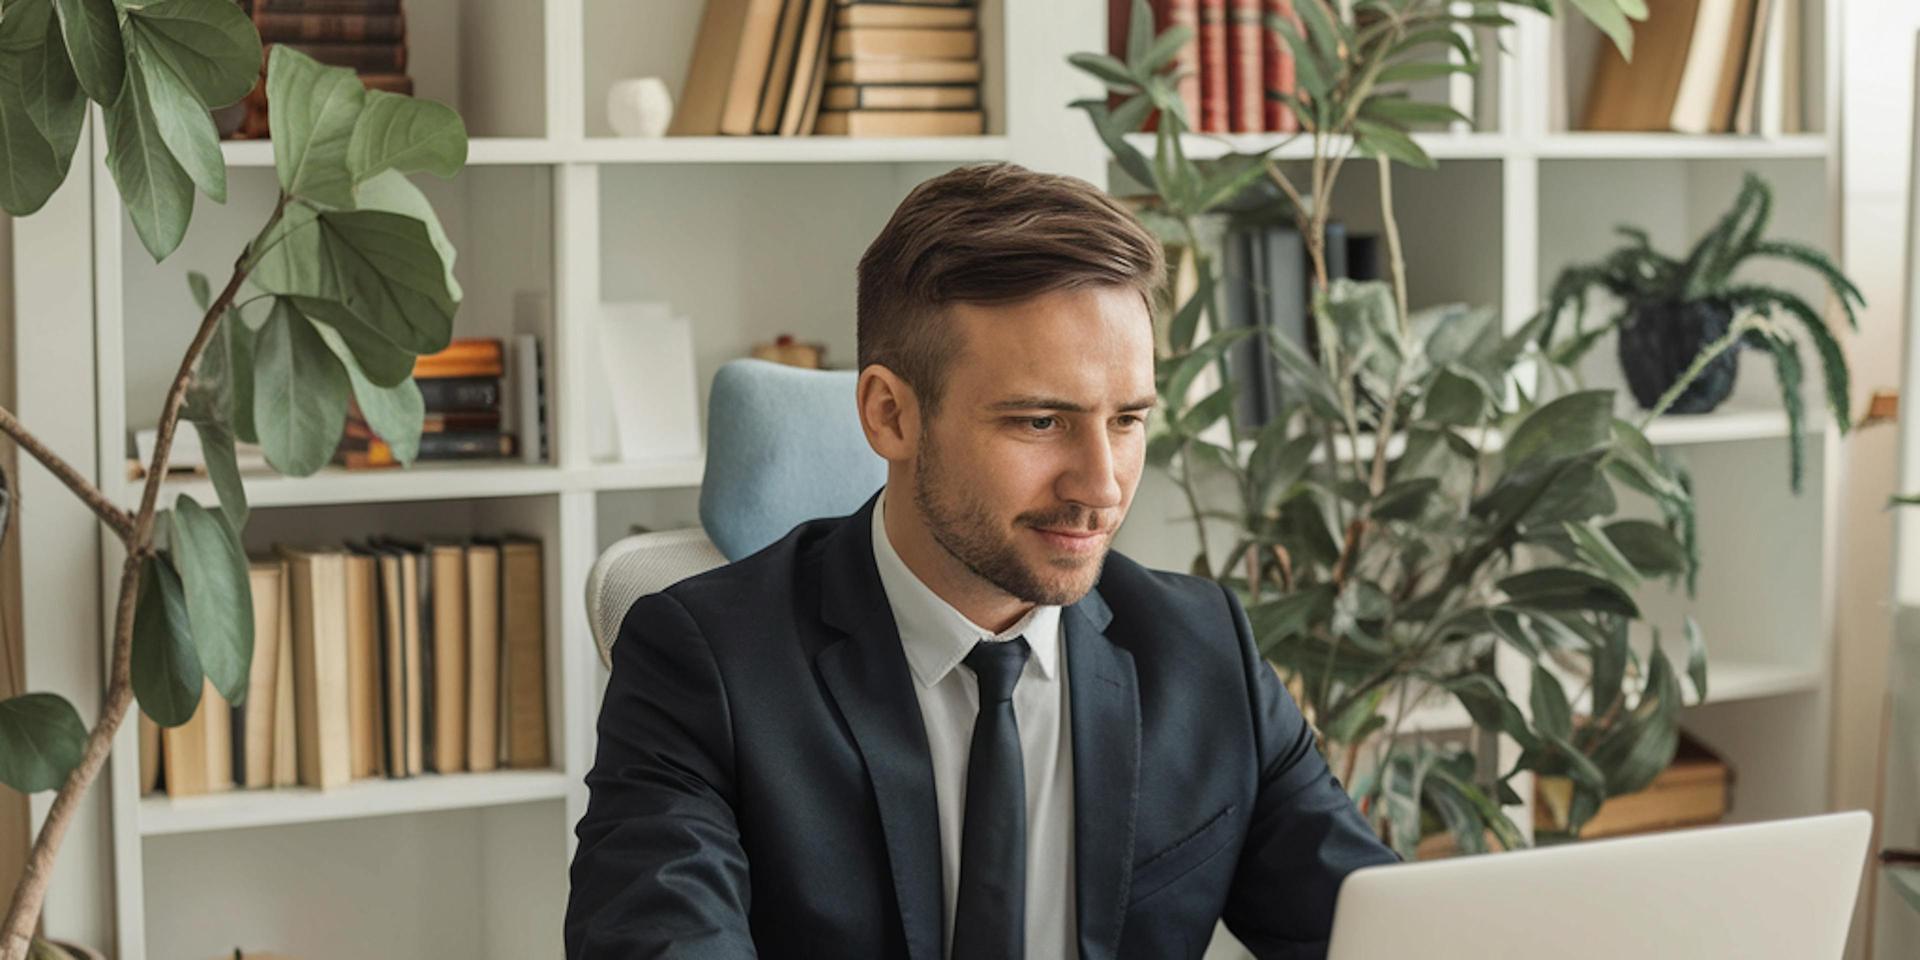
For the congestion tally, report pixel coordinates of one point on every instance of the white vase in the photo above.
(639, 107)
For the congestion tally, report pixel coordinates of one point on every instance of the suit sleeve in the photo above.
(1306, 834)
(659, 869)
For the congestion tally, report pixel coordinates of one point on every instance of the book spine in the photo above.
(460, 394)
(1181, 13)
(330, 27)
(326, 6)
(1213, 66)
(360, 57)
(1278, 71)
(1246, 82)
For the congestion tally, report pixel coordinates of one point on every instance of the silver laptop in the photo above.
(1779, 890)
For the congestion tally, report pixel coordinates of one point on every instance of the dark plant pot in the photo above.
(1659, 341)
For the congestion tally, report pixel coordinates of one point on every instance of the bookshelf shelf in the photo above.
(1672, 146)
(332, 485)
(240, 809)
(1441, 146)
(1728, 681)
(481, 151)
(792, 149)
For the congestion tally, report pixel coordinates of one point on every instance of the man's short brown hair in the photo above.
(988, 234)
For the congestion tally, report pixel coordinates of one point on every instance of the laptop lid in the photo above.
(1778, 890)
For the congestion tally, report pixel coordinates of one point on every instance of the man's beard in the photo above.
(963, 525)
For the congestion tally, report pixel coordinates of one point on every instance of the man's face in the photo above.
(1032, 459)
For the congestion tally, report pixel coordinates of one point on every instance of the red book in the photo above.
(1278, 70)
(1213, 66)
(1246, 82)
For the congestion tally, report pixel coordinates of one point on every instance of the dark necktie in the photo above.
(991, 910)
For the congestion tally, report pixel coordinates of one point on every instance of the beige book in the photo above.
(286, 738)
(198, 755)
(394, 657)
(882, 43)
(1639, 96)
(149, 754)
(483, 656)
(786, 53)
(449, 637)
(900, 123)
(750, 67)
(263, 676)
(901, 97)
(703, 97)
(1733, 66)
(414, 643)
(1693, 105)
(1746, 113)
(322, 704)
(523, 622)
(363, 665)
(808, 70)
(904, 71)
(882, 15)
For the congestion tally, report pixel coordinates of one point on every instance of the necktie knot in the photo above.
(997, 664)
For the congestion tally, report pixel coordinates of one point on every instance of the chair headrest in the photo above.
(784, 446)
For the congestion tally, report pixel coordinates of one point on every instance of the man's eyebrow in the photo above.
(1068, 406)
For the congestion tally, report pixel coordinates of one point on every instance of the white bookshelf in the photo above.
(756, 237)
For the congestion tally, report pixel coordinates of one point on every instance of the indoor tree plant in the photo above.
(1424, 495)
(352, 277)
(1676, 314)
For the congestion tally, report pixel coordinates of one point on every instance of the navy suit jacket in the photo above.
(763, 785)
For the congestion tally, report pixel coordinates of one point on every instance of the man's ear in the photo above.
(889, 413)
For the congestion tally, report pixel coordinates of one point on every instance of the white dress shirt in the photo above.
(937, 638)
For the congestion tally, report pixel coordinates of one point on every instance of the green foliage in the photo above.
(1410, 508)
(353, 268)
(1647, 282)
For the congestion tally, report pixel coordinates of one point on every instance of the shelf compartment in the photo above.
(238, 809)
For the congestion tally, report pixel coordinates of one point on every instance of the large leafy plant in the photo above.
(347, 281)
(1423, 496)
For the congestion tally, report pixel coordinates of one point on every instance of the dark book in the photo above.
(1363, 257)
(1242, 291)
(331, 27)
(460, 394)
(326, 6)
(359, 57)
(1287, 276)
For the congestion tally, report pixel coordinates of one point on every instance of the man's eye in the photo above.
(1042, 424)
(1129, 421)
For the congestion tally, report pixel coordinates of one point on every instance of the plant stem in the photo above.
(1193, 500)
(24, 912)
(1699, 366)
(112, 516)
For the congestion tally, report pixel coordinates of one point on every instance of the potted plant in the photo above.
(1417, 502)
(1677, 315)
(353, 277)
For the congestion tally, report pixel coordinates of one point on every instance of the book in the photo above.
(196, 757)
(885, 43)
(460, 421)
(1246, 77)
(448, 395)
(327, 6)
(901, 123)
(330, 27)
(417, 654)
(149, 754)
(1277, 70)
(447, 572)
(483, 655)
(1641, 96)
(397, 730)
(804, 87)
(1213, 67)
(369, 454)
(530, 402)
(905, 3)
(286, 741)
(318, 582)
(903, 71)
(1736, 47)
(883, 96)
(903, 15)
(464, 357)
(786, 52)
(523, 625)
(358, 57)
(731, 55)
(253, 730)
(1746, 110)
(363, 664)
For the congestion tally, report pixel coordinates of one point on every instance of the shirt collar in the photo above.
(936, 636)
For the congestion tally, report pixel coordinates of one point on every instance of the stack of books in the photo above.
(1704, 66)
(366, 36)
(1233, 67)
(478, 407)
(833, 67)
(382, 659)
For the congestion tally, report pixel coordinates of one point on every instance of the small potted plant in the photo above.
(1676, 315)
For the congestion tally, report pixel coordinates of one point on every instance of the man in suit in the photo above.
(954, 724)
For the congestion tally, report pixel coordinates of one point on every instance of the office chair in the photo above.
(784, 446)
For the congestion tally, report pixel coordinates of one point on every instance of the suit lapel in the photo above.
(867, 675)
(1105, 702)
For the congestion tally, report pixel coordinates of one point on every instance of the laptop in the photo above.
(1778, 890)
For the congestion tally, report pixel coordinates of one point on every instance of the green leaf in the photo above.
(1607, 15)
(396, 412)
(1279, 461)
(1455, 400)
(393, 193)
(167, 678)
(1180, 332)
(223, 466)
(1405, 499)
(41, 740)
(1418, 71)
(1597, 551)
(313, 110)
(1140, 27)
(1399, 111)
(213, 569)
(1552, 715)
(1697, 660)
(300, 393)
(52, 92)
(381, 360)
(1486, 701)
(30, 169)
(183, 121)
(1650, 547)
(1164, 49)
(1203, 414)
(1565, 427)
(1189, 367)
(210, 44)
(1107, 70)
(91, 29)
(382, 267)
(1644, 743)
(1376, 139)
(406, 135)
(1559, 588)
(1307, 67)
(156, 190)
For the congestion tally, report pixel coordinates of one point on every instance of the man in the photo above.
(796, 758)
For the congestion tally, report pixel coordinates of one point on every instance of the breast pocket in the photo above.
(1184, 856)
